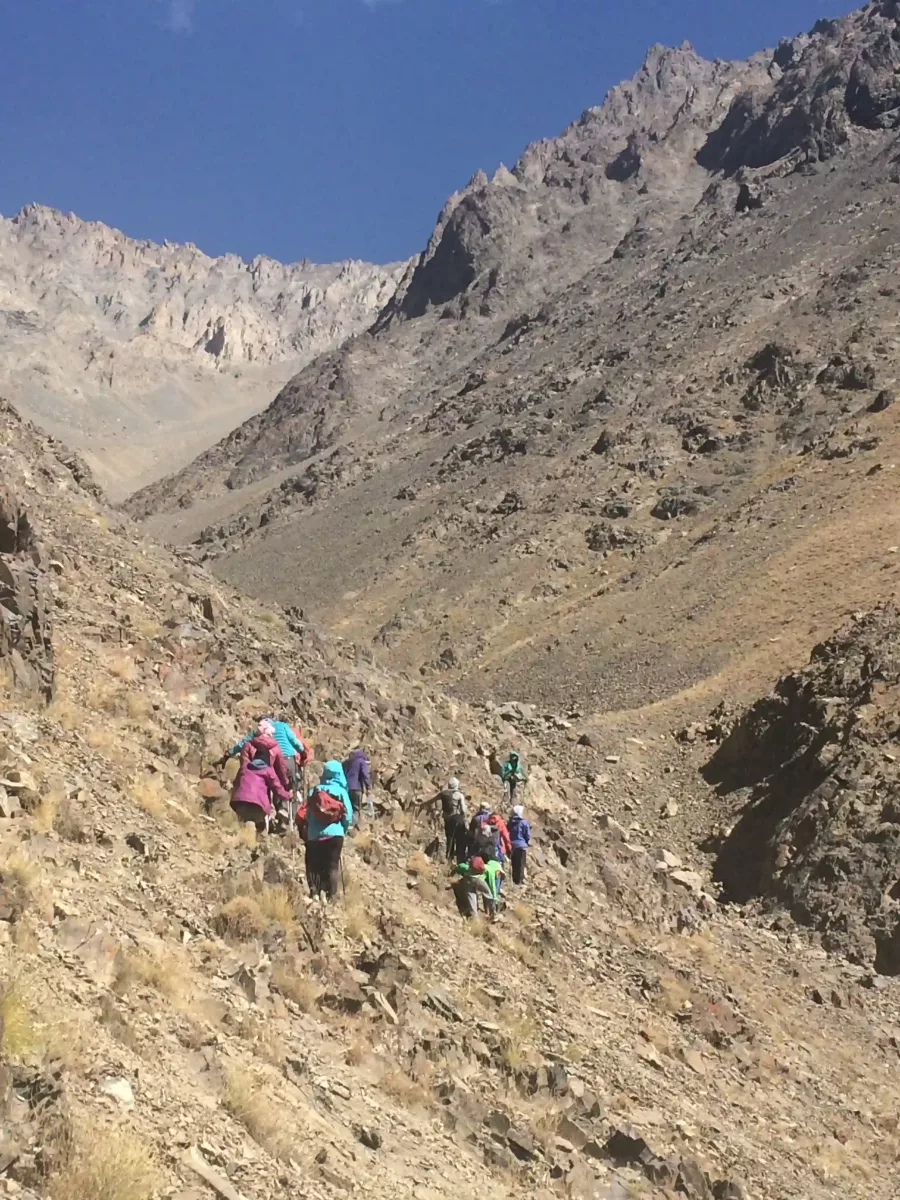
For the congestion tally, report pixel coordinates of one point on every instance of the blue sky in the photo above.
(315, 128)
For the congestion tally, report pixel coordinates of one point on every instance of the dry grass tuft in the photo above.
(364, 841)
(523, 913)
(272, 618)
(401, 822)
(168, 972)
(480, 927)
(18, 1035)
(124, 668)
(418, 863)
(519, 949)
(46, 812)
(67, 713)
(358, 922)
(116, 1166)
(58, 813)
(400, 1086)
(295, 985)
(248, 1101)
(147, 793)
(241, 919)
(277, 903)
(30, 1026)
(104, 696)
(138, 707)
(356, 1054)
(246, 833)
(102, 738)
(21, 879)
(24, 936)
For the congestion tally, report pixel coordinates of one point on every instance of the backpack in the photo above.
(484, 843)
(326, 809)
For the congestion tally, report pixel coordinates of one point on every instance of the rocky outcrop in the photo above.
(109, 341)
(843, 75)
(26, 649)
(586, 184)
(820, 760)
(117, 292)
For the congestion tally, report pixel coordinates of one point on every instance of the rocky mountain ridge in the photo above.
(583, 497)
(117, 342)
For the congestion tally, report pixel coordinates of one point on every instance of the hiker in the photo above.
(494, 876)
(329, 815)
(520, 837)
(488, 835)
(255, 786)
(358, 771)
(513, 773)
(482, 835)
(456, 819)
(262, 744)
(291, 746)
(471, 884)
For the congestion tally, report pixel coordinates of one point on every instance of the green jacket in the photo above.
(493, 873)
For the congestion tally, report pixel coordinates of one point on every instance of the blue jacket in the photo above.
(288, 742)
(519, 832)
(334, 782)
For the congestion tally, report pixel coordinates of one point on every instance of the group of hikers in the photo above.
(270, 790)
(480, 848)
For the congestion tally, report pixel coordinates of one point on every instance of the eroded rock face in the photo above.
(819, 757)
(842, 76)
(110, 342)
(26, 650)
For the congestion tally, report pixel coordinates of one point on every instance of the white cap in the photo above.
(454, 785)
(519, 810)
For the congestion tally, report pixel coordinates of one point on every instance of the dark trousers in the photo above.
(519, 857)
(457, 836)
(323, 866)
(356, 803)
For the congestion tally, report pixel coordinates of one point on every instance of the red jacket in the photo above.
(500, 825)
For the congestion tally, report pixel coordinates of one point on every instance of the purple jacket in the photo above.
(357, 770)
(256, 783)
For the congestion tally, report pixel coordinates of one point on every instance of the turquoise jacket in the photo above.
(334, 782)
(288, 742)
(513, 769)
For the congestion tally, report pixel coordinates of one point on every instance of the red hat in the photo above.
(477, 865)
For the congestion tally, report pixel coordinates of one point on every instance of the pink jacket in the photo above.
(256, 785)
(271, 748)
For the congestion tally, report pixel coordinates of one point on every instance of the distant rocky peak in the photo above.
(841, 78)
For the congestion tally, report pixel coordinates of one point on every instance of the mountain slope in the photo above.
(597, 497)
(166, 983)
(498, 246)
(130, 349)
